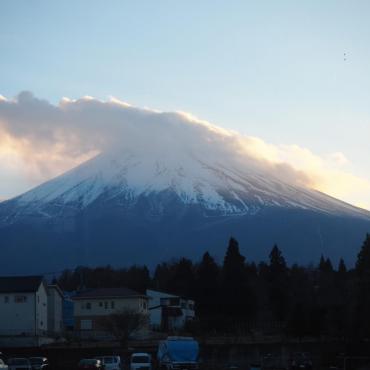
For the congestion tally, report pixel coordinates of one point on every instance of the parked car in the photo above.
(19, 363)
(91, 364)
(3, 365)
(111, 362)
(301, 361)
(271, 362)
(39, 363)
(141, 361)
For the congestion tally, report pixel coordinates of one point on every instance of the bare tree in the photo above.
(122, 324)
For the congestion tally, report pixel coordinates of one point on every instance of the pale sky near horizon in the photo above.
(293, 73)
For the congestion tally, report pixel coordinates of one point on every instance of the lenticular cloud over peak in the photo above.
(87, 126)
(45, 140)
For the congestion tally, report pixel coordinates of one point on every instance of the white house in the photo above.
(168, 311)
(55, 310)
(91, 305)
(23, 306)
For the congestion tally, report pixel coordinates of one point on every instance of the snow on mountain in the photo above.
(219, 187)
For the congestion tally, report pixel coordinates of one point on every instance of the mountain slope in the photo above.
(136, 206)
(219, 188)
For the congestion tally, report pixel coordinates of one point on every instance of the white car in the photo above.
(141, 361)
(111, 362)
(3, 365)
(19, 363)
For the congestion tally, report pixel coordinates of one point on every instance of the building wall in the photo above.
(155, 297)
(55, 311)
(157, 300)
(88, 311)
(156, 317)
(17, 314)
(68, 317)
(103, 307)
(41, 310)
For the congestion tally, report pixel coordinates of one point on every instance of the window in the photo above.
(88, 306)
(20, 299)
(112, 304)
(6, 299)
(86, 325)
(106, 305)
(164, 302)
(144, 305)
(100, 304)
(175, 301)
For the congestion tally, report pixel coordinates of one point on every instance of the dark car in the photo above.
(19, 363)
(301, 361)
(90, 363)
(271, 362)
(39, 363)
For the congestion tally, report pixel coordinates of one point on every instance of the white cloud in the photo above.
(338, 158)
(41, 140)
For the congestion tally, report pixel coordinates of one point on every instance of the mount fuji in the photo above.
(161, 185)
(130, 205)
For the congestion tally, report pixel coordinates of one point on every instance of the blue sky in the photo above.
(289, 72)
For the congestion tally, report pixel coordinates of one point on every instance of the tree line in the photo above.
(240, 296)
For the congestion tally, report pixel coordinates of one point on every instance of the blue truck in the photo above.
(178, 353)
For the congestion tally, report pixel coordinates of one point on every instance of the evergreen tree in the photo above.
(328, 266)
(325, 265)
(297, 321)
(342, 269)
(207, 274)
(362, 321)
(162, 277)
(322, 264)
(263, 271)
(363, 259)
(182, 281)
(234, 282)
(299, 300)
(207, 290)
(137, 278)
(278, 283)
(233, 267)
(277, 262)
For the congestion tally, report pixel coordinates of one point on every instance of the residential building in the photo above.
(68, 318)
(23, 306)
(91, 305)
(55, 310)
(168, 311)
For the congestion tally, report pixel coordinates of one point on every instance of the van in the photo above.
(141, 361)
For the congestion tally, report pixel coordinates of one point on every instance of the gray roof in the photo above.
(108, 293)
(20, 284)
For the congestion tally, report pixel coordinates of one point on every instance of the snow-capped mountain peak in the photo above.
(218, 187)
